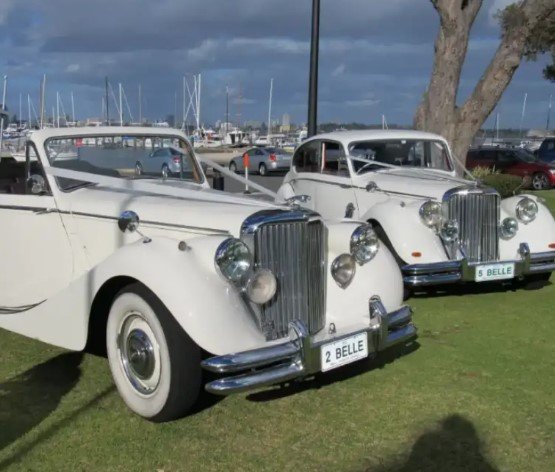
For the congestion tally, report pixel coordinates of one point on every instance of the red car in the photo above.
(514, 161)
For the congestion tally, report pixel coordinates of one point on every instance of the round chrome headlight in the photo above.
(343, 269)
(234, 260)
(509, 227)
(430, 213)
(450, 231)
(262, 286)
(526, 210)
(364, 244)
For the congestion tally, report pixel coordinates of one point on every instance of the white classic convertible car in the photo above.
(440, 227)
(175, 277)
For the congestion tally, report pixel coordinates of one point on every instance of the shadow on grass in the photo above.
(27, 399)
(454, 446)
(478, 288)
(323, 379)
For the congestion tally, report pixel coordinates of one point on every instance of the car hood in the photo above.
(419, 184)
(204, 216)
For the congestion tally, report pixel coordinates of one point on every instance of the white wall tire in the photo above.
(154, 363)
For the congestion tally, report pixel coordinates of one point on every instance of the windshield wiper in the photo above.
(80, 185)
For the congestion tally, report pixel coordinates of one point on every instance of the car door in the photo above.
(304, 173)
(508, 163)
(335, 196)
(255, 160)
(36, 260)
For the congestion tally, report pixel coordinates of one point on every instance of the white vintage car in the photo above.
(174, 277)
(441, 228)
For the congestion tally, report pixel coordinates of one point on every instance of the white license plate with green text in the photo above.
(344, 351)
(499, 271)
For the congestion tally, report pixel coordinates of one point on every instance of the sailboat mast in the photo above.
(3, 109)
(57, 109)
(523, 112)
(270, 109)
(120, 106)
(140, 105)
(73, 109)
(199, 84)
(548, 114)
(42, 104)
(29, 111)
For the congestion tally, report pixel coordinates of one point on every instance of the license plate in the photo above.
(501, 271)
(344, 351)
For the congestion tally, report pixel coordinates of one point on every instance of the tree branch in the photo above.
(507, 58)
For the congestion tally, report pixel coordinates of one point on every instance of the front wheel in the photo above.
(232, 167)
(540, 181)
(154, 363)
(262, 169)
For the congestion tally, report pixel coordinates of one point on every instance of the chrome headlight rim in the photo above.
(233, 260)
(509, 228)
(364, 244)
(526, 210)
(431, 213)
(343, 269)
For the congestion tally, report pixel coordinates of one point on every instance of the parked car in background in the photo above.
(440, 227)
(262, 160)
(514, 161)
(171, 276)
(165, 162)
(546, 152)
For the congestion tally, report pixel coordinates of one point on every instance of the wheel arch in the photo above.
(100, 308)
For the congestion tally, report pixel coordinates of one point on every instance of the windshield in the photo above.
(400, 152)
(125, 157)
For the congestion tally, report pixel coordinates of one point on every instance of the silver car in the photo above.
(262, 160)
(163, 161)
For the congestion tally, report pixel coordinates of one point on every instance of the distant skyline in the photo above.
(376, 57)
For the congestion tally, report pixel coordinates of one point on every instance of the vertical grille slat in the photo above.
(295, 253)
(478, 217)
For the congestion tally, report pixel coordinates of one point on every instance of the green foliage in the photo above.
(507, 185)
(542, 39)
(481, 172)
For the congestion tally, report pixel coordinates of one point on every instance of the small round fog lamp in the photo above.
(509, 227)
(261, 287)
(343, 269)
(450, 231)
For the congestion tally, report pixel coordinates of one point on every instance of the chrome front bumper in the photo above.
(448, 272)
(300, 356)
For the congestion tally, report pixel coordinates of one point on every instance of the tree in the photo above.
(541, 42)
(438, 111)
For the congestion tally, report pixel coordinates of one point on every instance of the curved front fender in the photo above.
(406, 232)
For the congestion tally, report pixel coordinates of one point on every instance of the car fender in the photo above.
(208, 308)
(538, 234)
(407, 234)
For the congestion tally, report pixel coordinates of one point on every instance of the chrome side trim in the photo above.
(4, 310)
(300, 356)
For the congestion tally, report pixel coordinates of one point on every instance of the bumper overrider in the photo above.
(436, 273)
(300, 356)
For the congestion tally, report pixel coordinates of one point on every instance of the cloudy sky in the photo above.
(376, 56)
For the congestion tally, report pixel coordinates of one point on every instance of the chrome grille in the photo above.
(477, 214)
(295, 253)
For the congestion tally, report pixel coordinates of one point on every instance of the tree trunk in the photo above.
(438, 112)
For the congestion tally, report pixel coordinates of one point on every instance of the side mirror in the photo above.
(128, 222)
(36, 184)
(371, 187)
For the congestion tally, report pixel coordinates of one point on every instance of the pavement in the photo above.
(272, 182)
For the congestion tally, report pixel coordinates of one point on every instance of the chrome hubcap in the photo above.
(139, 354)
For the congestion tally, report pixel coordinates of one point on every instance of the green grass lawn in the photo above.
(476, 393)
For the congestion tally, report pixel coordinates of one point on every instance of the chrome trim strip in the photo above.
(4, 310)
(300, 356)
(25, 208)
(387, 192)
